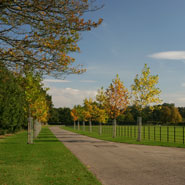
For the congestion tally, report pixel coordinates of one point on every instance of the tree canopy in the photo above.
(117, 98)
(144, 89)
(12, 102)
(41, 34)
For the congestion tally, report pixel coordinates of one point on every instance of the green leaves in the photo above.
(36, 96)
(144, 90)
(12, 102)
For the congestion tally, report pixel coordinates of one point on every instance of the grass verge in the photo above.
(47, 162)
(124, 139)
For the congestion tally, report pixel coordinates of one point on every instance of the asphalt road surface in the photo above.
(126, 164)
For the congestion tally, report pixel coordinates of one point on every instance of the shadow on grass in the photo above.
(46, 140)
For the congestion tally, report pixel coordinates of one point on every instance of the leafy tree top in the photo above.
(101, 97)
(144, 89)
(79, 112)
(116, 98)
(74, 114)
(40, 34)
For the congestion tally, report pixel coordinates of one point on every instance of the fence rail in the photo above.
(169, 134)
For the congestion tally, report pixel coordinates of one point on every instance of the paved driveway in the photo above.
(126, 164)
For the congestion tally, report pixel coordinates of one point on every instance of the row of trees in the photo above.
(165, 114)
(21, 96)
(37, 37)
(114, 101)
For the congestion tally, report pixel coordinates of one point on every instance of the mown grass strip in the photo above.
(46, 162)
(122, 139)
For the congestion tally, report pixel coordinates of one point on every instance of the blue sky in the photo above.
(133, 33)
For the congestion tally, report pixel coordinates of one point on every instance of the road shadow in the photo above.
(83, 141)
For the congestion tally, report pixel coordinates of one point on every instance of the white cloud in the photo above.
(68, 97)
(55, 81)
(169, 55)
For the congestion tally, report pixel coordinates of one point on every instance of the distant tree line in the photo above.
(162, 114)
(60, 116)
(117, 105)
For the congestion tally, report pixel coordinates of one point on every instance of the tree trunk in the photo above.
(83, 125)
(78, 125)
(74, 125)
(30, 130)
(100, 129)
(36, 128)
(114, 128)
(139, 122)
(90, 126)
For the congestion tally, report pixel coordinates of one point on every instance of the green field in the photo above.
(47, 162)
(151, 135)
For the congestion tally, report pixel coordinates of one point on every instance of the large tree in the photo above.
(102, 116)
(144, 89)
(41, 34)
(74, 116)
(145, 92)
(12, 102)
(89, 111)
(116, 100)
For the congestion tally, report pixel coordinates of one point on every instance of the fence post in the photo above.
(183, 135)
(174, 135)
(30, 130)
(144, 132)
(135, 131)
(83, 125)
(35, 129)
(160, 132)
(139, 119)
(149, 132)
(100, 129)
(167, 134)
(114, 128)
(78, 125)
(90, 125)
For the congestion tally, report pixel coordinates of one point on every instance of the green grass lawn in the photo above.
(160, 136)
(46, 162)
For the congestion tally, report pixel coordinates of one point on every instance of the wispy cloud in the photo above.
(88, 81)
(68, 97)
(169, 55)
(178, 98)
(183, 84)
(56, 81)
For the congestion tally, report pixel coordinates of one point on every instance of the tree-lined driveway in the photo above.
(126, 164)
